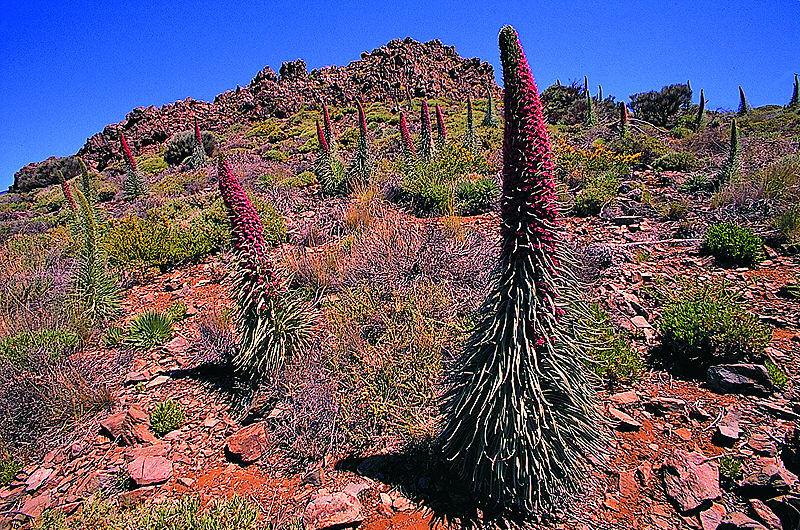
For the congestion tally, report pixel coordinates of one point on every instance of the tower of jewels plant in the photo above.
(409, 153)
(198, 157)
(744, 106)
(471, 140)
(794, 103)
(327, 128)
(490, 118)
(135, 183)
(730, 167)
(591, 117)
(328, 168)
(701, 112)
(273, 323)
(425, 134)
(67, 193)
(623, 119)
(520, 417)
(360, 170)
(441, 129)
(86, 183)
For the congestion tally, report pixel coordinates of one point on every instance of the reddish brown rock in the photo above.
(765, 515)
(336, 510)
(711, 518)
(690, 480)
(34, 506)
(146, 470)
(248, 444)
(739, 521)
(622, 421)
(624, 399)
(128, 427)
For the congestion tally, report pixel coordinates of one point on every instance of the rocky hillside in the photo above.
(384, 75)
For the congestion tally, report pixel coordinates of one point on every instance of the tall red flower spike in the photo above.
(126, 151)
(425, 134)
(521, 415)
(67, 192)
(323, 143)
(247, 232)
(408, 145)
(441, 128)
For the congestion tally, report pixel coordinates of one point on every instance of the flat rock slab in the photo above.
(690, 480)
(746, 379)
(337, 510)
(146, 470)
(249, 444)
(128, 427)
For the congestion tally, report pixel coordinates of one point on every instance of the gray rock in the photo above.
(690, 480)
(748, 379)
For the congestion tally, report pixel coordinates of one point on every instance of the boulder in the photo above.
(249, 444)
(768, 479)
(747, 379)
(337, 510)
(739, 521)
(690, 480)
(146, 470)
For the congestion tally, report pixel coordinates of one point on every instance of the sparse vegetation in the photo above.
(167, 416)
(734, 245)
(149, 329)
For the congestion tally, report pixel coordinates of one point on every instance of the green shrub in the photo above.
(54, 342)
(113, 336)
(177, 311)
(698, 182)
(703, 325)
(616, 360)
(8, 470)
(730, 467)
(649, 148)
(173, 184)
(734, 245)
(181, 146)
(276, 155)
(662, 108)
(476, 196)
(677, 162)
(677, 210)
(776, 374)
(271, 129)
(597, 192)
(151, 164)
(149, 330)
(166, 417)
(185, 513)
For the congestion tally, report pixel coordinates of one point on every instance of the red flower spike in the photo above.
(126, 151)
(441, 129)
(323, 143)
(362, 119)
(326, 124)
(425, 118)
(197, 135)
(68, 193)
(408, 145)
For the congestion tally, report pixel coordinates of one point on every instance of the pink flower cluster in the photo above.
(529, 211)
(127, 152)
(408, 145)
(441, 129)
(247, 232)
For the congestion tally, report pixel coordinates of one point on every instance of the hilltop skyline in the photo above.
(68, 71)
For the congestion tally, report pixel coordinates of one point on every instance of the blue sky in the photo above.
(69, 68)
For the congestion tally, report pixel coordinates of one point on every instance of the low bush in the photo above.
(703, 325)
(177, 310)
(697, 183)
(776, 374)
(648, 149)
(677, 162)
(597, 192)
(578, 166)
(151, 164)
(615, 360)
(167, 416)
(276, 155)
(476, 196)
(733, 245)
(186, 512)
(730, 468)
(8, 469)
(149, 330)
(53, 342)
(181, 145)
(389, 352)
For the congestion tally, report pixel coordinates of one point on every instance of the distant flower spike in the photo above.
(490, 118)
(441, 128)
(744, 106)
(322, 141)
(425, 135)
(328, 169)
(794, 103)
(86, 182)
(730, 168)
(409, 152)
(198, 157)
(591, 117)
(327, 128)
(701, 113)
(360, 170)
(67, 192)
(471, 140)
(623, 119)
(135, 183)
(197, 137)
(520, 415)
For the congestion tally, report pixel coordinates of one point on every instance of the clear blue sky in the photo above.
(69, 68)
